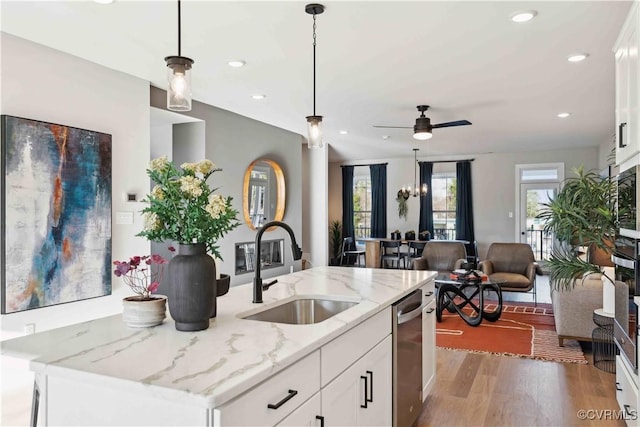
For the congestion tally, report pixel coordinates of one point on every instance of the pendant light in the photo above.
(179, 77)
(314, 123)
(417, 191)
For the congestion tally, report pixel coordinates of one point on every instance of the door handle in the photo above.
(321, 418)
(365, 391)
(621, 144)
(370, 399)
(284, 400)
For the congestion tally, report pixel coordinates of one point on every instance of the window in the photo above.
(362, 202)
(443, 192)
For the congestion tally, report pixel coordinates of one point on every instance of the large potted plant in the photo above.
(582, 218)
(183, 208)
(335, 241)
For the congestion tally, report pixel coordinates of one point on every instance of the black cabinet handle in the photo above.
(321, 418)
(430, 310)
(428, 294)
(365, 391)
(370, 399)
(618, 386)
(283, 401)
(621, 144)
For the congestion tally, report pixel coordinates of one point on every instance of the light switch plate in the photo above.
(124, 218)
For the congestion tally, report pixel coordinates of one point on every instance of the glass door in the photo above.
(532, 196)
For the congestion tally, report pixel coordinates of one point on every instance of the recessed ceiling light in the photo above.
(525, 16)
(385, 137)
(104, 1)
(577, 57)
(236, 63)
(343, 132)
(258, 96)
(564, 115)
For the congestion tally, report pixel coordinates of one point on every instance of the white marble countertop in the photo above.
(210, 367)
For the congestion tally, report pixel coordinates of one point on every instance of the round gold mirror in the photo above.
(263, 193)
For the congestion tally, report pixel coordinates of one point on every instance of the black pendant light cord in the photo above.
(415, 177)
(314, 64)
(179, 30)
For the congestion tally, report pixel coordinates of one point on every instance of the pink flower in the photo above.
(153, 287)
(142, 281)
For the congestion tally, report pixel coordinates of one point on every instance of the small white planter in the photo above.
(138, 313)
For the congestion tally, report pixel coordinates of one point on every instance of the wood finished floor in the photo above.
(485, 390)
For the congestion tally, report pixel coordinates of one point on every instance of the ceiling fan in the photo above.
(423, 126)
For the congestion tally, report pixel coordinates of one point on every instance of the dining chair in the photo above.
(390, 251)
(347, 252)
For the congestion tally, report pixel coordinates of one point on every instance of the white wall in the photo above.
(44, 84)
(493, 188)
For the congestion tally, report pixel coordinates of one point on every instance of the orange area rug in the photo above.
(521, 331)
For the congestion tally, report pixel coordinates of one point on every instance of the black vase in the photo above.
(192, 287)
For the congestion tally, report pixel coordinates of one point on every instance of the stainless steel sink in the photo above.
(303, 311)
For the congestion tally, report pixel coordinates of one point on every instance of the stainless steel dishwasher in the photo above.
(407, 359)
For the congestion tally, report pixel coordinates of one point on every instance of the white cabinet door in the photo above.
(307, 415)
(361, 395)
(377, 371)
(627, 68)
(428, 348)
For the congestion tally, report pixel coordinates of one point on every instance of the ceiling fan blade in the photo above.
(450, 124)
(394, 127)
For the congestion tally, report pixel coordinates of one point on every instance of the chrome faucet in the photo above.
(258, 287)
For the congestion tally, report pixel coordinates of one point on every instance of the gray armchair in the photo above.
(441, 256)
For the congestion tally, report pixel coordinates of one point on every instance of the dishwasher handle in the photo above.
(405, 317)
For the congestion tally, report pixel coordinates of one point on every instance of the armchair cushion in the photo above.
(512, 263)
(440, 256)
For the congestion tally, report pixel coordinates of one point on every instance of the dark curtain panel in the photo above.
(464, 207)
(347, 201)
(426, 202)
(378, 200)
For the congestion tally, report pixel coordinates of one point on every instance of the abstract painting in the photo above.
(56, 214)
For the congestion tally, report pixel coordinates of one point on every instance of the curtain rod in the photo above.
(448, 161)
(371, 164)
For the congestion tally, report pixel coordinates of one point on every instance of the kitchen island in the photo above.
(103, 372)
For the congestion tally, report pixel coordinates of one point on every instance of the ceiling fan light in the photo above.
(179, 78)
(422, 135)
(314, 128)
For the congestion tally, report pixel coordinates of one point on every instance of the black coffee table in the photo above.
(448, 289)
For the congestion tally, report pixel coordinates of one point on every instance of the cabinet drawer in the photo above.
(626, 392)
(343, 351)
(252, 407)
(428, 292)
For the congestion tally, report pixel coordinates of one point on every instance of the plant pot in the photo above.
(222, 284)
(222, 287)
(192, 287)
(423, 236)
(396, 236)
(141, 313)
(410, 235)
